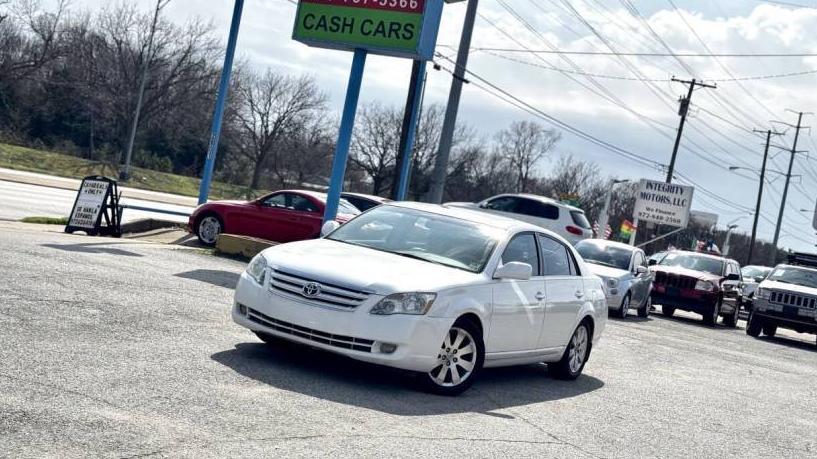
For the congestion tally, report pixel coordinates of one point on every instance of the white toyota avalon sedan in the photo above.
(438, 291)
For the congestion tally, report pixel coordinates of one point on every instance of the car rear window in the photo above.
(580, 219)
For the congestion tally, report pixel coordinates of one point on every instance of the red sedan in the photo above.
(282, 216)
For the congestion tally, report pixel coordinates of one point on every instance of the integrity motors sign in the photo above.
(663, 203)
(401, 28)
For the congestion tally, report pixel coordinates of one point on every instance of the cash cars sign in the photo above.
(663, 203)
(400, 28)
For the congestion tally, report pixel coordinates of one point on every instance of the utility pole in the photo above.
(410, 122)
(124, 174)
(683, 110)
(788, 180)
(435, 195)
(760, 193)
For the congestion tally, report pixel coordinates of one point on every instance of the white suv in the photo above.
(567, 221)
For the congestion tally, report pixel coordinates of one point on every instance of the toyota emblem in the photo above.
(311, 290)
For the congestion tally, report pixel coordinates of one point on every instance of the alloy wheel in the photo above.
(578, 349)
(209, 229)
(456, 360)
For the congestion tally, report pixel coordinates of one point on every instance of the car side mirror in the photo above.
(733, 277)
(759, 279)
(641, 270)
(483, 205)
(652, 262)
(328, 227)
(514, 270)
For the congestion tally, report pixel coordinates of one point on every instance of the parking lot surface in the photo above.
(118, 349)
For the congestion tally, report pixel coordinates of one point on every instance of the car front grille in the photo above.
(339, 341)
(791, 299)
(328, 294)
(675, 280)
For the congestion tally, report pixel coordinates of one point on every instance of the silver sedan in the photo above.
(625, 272)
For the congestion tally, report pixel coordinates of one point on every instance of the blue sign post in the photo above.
(347, 124)
(218, 115)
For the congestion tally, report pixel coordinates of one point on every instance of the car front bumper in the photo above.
(354, 333)
(687, 300)
(792, 315)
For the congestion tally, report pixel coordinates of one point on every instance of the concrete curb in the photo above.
(241, 246)
(149, 224)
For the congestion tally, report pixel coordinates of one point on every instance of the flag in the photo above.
(627, 229)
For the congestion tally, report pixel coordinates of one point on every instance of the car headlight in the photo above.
(762, 294)
(704, 286)
(612, 283)
(257, 269)
(404, 303)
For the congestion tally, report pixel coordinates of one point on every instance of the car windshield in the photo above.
(797, 276)
(604, 254)
(751, 272)
(422, 235)
(694, 262)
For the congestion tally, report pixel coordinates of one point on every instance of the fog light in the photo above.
(242, 309)
(613, 291)
(387, 348)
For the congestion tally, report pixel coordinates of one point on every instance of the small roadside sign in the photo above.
(663, 203)
(399, 28)
(97, 200)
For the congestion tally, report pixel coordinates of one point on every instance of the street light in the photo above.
(729, 227)
(604, 217)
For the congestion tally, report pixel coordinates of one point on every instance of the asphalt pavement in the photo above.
(111, 348)
(19, 200)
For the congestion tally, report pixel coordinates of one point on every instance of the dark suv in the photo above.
(705, 284)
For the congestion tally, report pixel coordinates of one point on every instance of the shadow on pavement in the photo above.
(216, 277)
(92, 248)
(324, 375)
(792, 342)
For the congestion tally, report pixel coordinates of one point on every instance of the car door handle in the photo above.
(540, 296)
(579, 294)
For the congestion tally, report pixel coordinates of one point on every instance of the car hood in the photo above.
(701, 275)
(461, 204)
(606, 272)
(365, 269)
(782, 286)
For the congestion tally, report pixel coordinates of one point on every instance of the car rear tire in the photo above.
(769, 330)
(575, 355)
(732, 319)
(712, 314)
(459, 362)
(208, 228)
(644, 310)
(625, 307)
(667, 310)
(754, 325)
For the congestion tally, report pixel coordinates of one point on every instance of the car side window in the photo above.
(522, 248)
(538, 209)
(278, 201)
(503, 204)
(557, 260)
(303, 204)
(639, 260)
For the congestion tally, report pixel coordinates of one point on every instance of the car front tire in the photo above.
(732, 320)
(644, 310)
(625, 307)
(667, 310)
(208, 228)
(770, 330)
(754, 326)
(575, 355)
(712, 313)
(459, 361)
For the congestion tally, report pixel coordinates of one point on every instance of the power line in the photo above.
(641, 54)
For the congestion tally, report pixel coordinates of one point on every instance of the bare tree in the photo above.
(271, 106)
(524, 144)
(375, 143)
(31, 39)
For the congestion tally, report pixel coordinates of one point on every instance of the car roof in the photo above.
(370, 197)
(473, 216)
(786, 265)
(701, 254)
(536, 197)
(620, 245)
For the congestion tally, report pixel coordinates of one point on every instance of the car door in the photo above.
(641, 283)
(518, 306)
(731, 288)
(286, 217)
(564, 292)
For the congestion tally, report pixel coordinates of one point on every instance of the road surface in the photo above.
(111, 348)
(19, 200)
